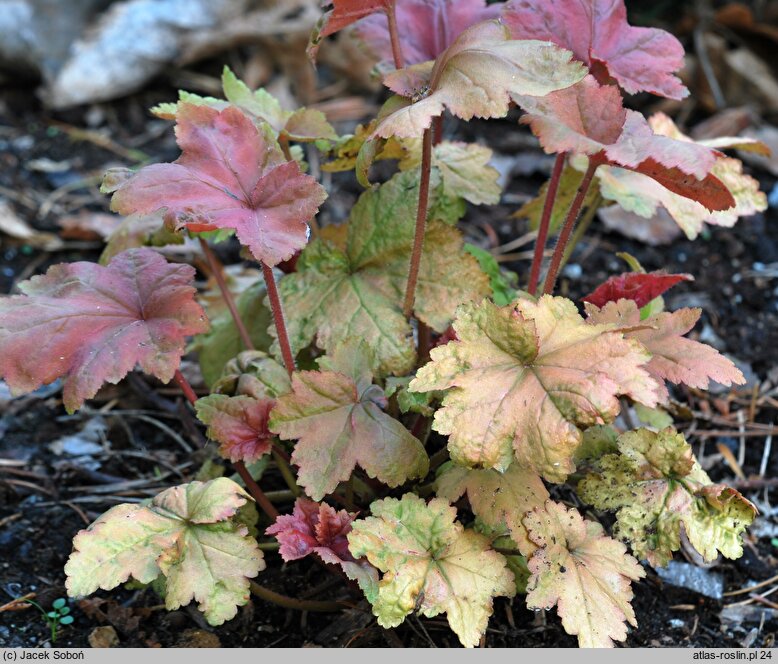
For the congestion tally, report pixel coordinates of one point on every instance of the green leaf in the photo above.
(255, 374)
(336, 417)
(66, 620)
(356, 289)
(523, 379)
(58, 603)
(188, 534)
(655, 485)
(431, 564)
(411, 402)
(504, 283)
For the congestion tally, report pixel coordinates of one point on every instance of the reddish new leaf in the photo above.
(230, 175)
(639, 287)
(639, 59)
(346, 12)
(92, 324)
(426, 27)
(239, 423)
(589, 118)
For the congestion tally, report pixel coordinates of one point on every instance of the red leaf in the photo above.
(230, 175)
(239, 424)
(92, 324)
(636, 286)
(313, 528)
(426, 27)
(346, 12)
(598, 33)
(589, 118)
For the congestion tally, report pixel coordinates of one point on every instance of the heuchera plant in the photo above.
(389, 328)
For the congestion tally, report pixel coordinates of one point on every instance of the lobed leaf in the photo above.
(230, 175)
(655, 486)
(318, 528)
(91, 324)
(239, 424)
(356, 289)
(498, 499)
(673, 357)
(188, 533)
(597, 32)
(431, 564)
(477, 76)
(583, 572)
(523, 379)
(640, 287)
(335, 415)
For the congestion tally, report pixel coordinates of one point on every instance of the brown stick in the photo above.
(278, 318)
(218, 273)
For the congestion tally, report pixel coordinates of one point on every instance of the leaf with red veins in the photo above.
(589, 118)
(638, 59)
(673, 357)
(477, 76)
(230, 175)
(427, 27)
(91, 324)
(239, 424)
(639, 287)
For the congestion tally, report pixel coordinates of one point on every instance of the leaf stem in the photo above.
(580, 231)
(255, 491)
(421, 223)
(217, 269)
(186, 388)
(394, 36)
(286, 472)
(567, 229)
(545, 222)
(278, 318)
(296, 604)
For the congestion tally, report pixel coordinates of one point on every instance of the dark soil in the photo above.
(45, 498)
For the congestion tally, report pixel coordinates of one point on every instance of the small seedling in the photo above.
(59, 615)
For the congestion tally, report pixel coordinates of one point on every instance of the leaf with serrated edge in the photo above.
(582, 571)
(477, 76)
(498, 499)
(239, 424)
(637, 193)
(598, 34)
(357, 291)
(523, 379)
(230, 175)
(91, 324)
(335, 415)
(188, 533)
(655, 485)
(320, 529)
(673, 357)
(431, 564)
(640, 287)
(589, 118)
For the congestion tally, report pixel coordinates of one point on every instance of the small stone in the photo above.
(103, 637)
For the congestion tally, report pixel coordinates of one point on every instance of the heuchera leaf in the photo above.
(427, 27)
(336, 417)
(318, 528)
(499, 500)
(345, 152)
(640, 287)
(343, 14)
(655, 486)
(589, 118)
(673, 357)
(255, 374)
(356, 290)
(230, 175)
(139, 231)
(582, 571)
(523, 379)
(504, 283)
(431, 564)
(238, 424)
(464, 170)
(636, 193)
(189, 534)
(91, 324)
(477, 76)
(597, 32)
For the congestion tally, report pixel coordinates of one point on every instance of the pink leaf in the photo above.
(589, 118)
(230, 175)
(639, 59)
(639, 287)
(426, 27)
(92, 324)
(239, 424)
(346, 12)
